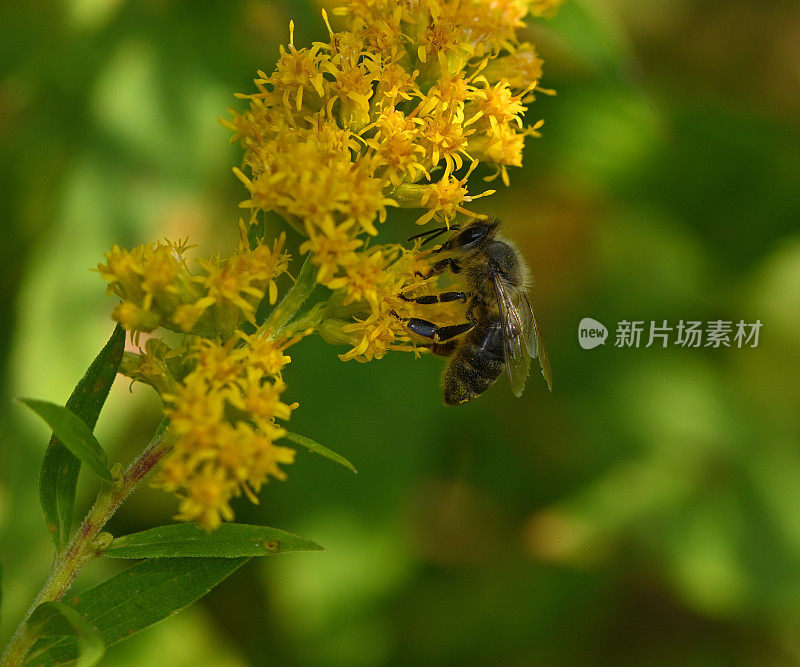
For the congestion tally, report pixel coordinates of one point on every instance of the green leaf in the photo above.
(230, 540)
(137, 598)
(74, 434)
(44, 621)
(315, 447)
(59, 473)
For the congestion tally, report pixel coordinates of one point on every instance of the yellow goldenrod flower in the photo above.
(156, 365)
(206, 498)
(134, 318)
(376, 335)
(521, 68)
(152, 280)
(334, 248)
(295, 72)
(267, 355)
(412, 93)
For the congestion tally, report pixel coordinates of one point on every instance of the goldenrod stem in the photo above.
(83, 548)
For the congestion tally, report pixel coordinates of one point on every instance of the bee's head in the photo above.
(474, 235)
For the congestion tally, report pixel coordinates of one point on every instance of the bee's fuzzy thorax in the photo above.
(523, 276)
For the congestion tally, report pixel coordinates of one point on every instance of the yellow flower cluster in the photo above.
(222, 388)
(385, 114)
(158, 289)
(223, 416)
(397, 109)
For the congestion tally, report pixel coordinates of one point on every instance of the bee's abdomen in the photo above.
(476, 364)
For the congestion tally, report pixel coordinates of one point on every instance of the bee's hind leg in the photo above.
(444, 297)
(432, 331)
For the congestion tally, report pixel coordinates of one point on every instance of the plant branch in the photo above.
(87, 543)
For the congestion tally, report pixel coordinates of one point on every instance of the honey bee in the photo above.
(501, 328)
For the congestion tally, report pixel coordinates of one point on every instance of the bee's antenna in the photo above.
(433, 233)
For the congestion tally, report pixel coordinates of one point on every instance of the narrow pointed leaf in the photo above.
(74, 434)
(137, 598)
(58, 618)
(313, 446)
(290, 305)
(230, 540)
(59, 472)
(255, 233)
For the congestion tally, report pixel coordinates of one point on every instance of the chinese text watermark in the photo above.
(683, 333)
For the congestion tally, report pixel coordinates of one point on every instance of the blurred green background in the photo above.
(647, 512)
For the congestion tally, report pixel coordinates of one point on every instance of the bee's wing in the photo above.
(536, 345)
(516, 318)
